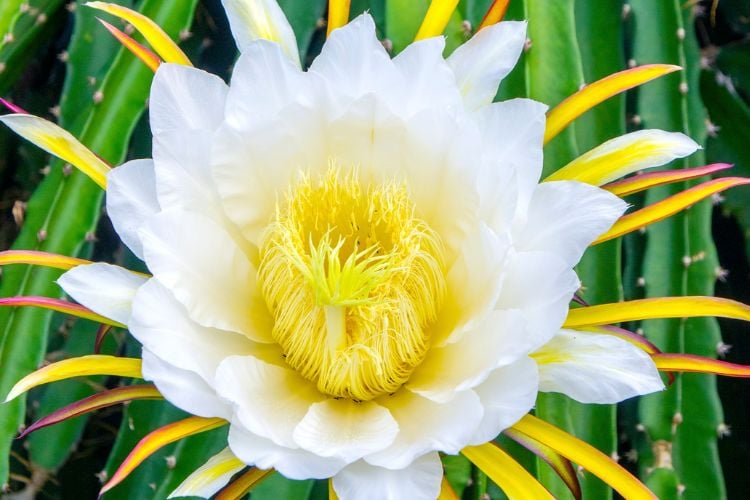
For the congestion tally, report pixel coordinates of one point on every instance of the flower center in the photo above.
(353, 280)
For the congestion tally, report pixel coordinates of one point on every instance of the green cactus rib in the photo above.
(23, 27)
(680, 423)
(553, 46)
(600, 25)
(303, 16)
(697, 456)
(10, 10)
(64, 209)
(90, 55)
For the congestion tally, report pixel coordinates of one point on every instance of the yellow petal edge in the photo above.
(599, 91)
(211, 476)
(57, 141)
(81, 366)
(586, 456)
(154, 35)
(504, 471)
(656, 308)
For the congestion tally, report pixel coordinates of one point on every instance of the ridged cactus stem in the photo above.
(600, 25)
(677, 253)
(23, 25)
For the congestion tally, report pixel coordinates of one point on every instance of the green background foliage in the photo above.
(58, 62)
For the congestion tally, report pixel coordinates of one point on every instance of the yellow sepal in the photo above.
(436, 19)
(82, 366)
(154, 35)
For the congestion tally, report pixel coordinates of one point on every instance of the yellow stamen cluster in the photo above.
(353, 279)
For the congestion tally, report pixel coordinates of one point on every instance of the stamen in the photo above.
(353, 279)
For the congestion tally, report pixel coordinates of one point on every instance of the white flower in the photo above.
(356, 264)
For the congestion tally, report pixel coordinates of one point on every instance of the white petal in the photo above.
(185, 98)
(184, 389)
(292, 463)
(540, 286)
(182, 160)
(131, 200)
(474, 284)
(206, 271)
(429, 81)
(425, 426)
(595, 368)
(269, 400)
(464, 364)
(565, 217)
(512, 159)
(210, 477)
(369, 136)
(346, 429)
(482, 62)
(251, 20)
(420, 481)
(254, 169)
(163, 326)
(507, 395)
(353, 63)
(105, 289)
(264, 81)
(441, 162)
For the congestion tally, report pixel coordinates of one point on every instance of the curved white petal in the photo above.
(254, 169)
(131, 200)
(210, 477)
(507, 395)
(184, 389)
(353, 63)
(251, 20)
(441, 162)
(163, 326)
(539, 285)
(292, 463)
(482, 62)
(185, 98)
(346, 429)
(432, 151)
(105, 289)
(265, 81)
(368, 136)
(269, 400)
(512, 159)
(205, 270)
(464, 364)
(420, 481)
(425, 426)
(431, 82)
(474, 284)
(595, 368)
(565, 217)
